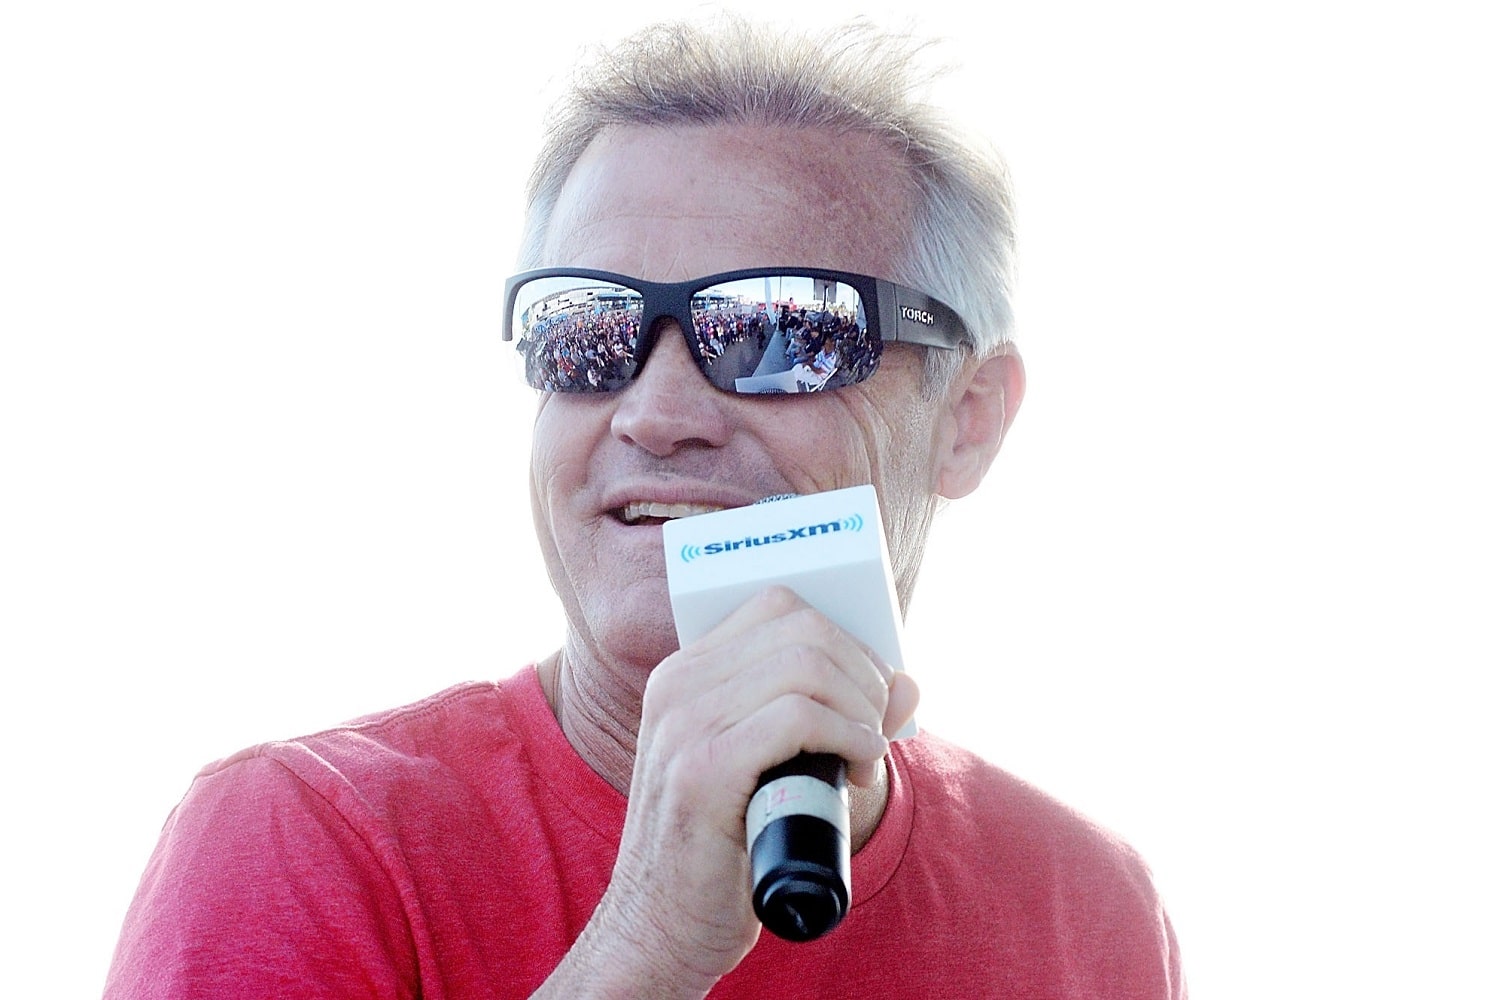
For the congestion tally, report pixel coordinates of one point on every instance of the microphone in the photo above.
(797, 832)
(829, 548)
(797, 829)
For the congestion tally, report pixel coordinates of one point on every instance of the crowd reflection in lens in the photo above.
(584, 340)
(582, 349)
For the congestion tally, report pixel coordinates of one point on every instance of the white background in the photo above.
(1231, 588)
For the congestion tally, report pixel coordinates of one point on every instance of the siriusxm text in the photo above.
(748, 541)
(691, 551)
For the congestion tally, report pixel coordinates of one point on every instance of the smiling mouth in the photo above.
(651, 512)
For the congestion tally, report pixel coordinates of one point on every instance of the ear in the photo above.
(982, 402)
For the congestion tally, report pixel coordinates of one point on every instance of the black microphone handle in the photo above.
(798, 838)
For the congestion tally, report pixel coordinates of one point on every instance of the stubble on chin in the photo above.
(626, 631)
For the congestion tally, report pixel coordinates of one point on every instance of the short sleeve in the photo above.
(259, 887)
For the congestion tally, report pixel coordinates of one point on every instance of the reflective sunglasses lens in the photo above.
(783, 333)
(577, 334)
(771, 334)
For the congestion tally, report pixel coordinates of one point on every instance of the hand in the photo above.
(773, 679)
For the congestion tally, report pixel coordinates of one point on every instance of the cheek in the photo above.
(547, 454)
(900, 441)
(563, 437)
(897, 427)
(566, 431)
(543, 457)
(825, 448)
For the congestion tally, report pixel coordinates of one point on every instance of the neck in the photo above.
(600, 712)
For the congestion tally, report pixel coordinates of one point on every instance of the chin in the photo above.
(638, 634)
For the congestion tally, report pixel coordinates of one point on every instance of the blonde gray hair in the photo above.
(859, 79)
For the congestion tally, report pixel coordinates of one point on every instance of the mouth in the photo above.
(653, 512)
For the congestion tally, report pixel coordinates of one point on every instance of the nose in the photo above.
(669, 404)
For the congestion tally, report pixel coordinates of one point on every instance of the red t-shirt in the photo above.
(456, 847)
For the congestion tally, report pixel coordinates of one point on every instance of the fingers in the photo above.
(901, 708)
(773, 679)
(777, 624)
(780, 677)
(901, 705)
(795, 724)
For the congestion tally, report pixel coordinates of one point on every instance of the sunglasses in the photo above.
(755, 331)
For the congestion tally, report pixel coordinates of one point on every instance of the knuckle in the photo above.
(812, 670)
(779, 599)
(658, 693)
(801, 713)
(815, 627)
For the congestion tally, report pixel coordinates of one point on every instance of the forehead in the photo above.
(675, 203)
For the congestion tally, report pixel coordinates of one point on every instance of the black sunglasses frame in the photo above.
(899, 315)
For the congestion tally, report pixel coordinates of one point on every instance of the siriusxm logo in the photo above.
(690, 551)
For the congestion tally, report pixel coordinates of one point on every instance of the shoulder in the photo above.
(1055, 890)
(1018, 829)
(364, 769)
(433, 728)
(975, 790)
(287, 861)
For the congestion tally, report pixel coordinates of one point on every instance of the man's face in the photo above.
(673, 204)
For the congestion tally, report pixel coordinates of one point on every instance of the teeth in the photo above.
(637, 509)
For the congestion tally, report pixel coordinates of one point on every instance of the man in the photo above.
(578, 830)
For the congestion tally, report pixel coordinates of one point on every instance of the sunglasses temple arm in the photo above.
(915, 318)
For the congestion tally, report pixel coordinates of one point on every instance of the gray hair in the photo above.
(860, 80)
